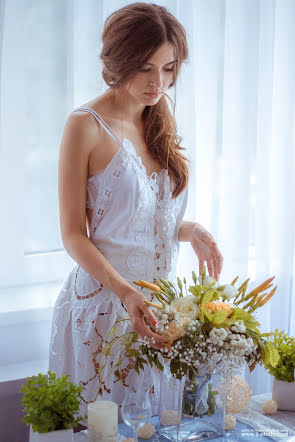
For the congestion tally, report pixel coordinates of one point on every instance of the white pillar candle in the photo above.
(102, 421)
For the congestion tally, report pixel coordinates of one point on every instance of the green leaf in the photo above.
(205, 315)
(196, 291)
(226, 324)
(240, 314)
(150, 359)
(207, 297)
(174, 366)
(271, 355)
(219, 316)
(251, 323)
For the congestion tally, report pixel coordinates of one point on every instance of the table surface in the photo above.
(252, 425)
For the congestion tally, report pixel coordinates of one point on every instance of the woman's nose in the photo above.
(157, 80)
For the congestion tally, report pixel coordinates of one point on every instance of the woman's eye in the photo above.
(148, 69)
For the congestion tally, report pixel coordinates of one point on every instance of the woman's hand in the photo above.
(206, 250)
(142, 317)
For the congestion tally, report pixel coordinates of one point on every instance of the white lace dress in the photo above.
(135, 226)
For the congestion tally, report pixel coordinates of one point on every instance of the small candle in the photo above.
(102, 421)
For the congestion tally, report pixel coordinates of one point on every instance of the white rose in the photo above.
(185, 307)
(230, 291)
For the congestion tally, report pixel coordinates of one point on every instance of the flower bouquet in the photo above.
(213, 324)
(212, 333)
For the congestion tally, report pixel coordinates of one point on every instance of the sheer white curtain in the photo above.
(244, 100)
(235, 110)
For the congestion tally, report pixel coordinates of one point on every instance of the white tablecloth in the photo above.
(276, 426)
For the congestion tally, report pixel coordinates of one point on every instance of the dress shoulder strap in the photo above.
(101, 121)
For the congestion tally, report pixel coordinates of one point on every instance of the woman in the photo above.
(122, 172)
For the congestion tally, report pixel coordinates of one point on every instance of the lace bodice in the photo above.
(135, 220)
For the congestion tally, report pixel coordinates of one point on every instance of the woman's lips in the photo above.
(153, 94)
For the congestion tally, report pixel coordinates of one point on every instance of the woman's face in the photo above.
(150, 83)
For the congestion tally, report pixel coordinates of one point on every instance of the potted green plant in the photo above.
(50, 404)
(283, 390)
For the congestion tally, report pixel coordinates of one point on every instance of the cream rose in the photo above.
(174, 331)
(185, 308)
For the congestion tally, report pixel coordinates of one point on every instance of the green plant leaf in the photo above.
(50, 402)
(219, 316)
(205, 315)
(208, 296)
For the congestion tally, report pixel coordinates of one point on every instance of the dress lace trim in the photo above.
(102, 186)
(89, 295)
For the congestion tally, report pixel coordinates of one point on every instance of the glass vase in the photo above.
(169, 411)
(203, 408)
(192, 409)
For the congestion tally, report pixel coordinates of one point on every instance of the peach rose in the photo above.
(216, 306)
(174, 331)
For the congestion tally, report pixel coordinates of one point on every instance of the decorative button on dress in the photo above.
(135, 225)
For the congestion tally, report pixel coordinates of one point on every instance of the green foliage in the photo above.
(205, 316)
(214, 319)
(219, 317)
(189, 400)
(51, 402)
(241, 315)
(285, 347)
(211, 401)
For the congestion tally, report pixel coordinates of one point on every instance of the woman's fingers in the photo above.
(155, 340)
(208, 251)
(210, 268)
(150, 318)
(218, 260)
(215, 269)
(159, 346)
(141, 325)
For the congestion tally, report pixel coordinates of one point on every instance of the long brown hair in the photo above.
(131, 36)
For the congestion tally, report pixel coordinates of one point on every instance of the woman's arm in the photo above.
(186, 231)
(204, 246)
(81, 135)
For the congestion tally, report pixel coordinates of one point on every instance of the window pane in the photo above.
(46, 107)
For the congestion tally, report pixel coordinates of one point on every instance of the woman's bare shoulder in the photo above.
(81, 129)
(85, 140)
(82, 124)
(103, 105)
